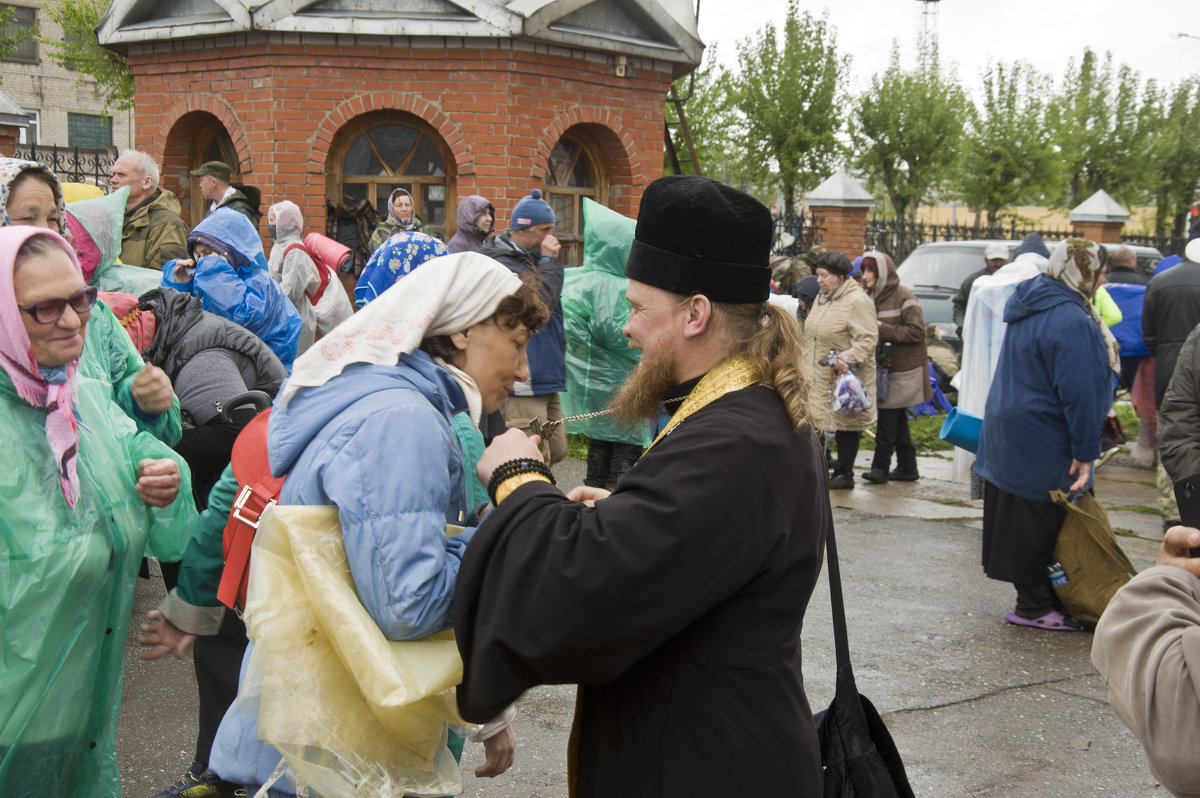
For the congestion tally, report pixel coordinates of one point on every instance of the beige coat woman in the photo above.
(843, 320)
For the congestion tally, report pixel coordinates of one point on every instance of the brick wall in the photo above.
(1100, 232)
(842, 229)
(8, 140)
(498, 106)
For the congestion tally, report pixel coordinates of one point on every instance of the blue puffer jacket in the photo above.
(241, 291)
(1052, 389)
(393, 502)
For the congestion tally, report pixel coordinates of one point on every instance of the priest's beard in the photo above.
(649, 385)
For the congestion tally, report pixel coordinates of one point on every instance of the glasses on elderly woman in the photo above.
(48, 311)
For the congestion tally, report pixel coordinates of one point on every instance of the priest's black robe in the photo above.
(676, 604)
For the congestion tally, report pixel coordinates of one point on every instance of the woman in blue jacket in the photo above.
(366, 423)
(1050, 393)
(228, 272)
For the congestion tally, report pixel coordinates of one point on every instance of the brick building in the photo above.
(61, 104)
(341, 100)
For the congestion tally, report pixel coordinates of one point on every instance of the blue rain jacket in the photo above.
(379, 443)
(1051, 392)
(1130, 298)
(241, 291)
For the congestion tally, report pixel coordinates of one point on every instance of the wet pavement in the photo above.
(978, 707)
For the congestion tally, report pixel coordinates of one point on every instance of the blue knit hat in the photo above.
(531, 210)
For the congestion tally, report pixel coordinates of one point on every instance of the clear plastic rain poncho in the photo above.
(598, 357)
(97, 225)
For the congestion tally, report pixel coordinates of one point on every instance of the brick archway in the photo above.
(174, 143)
(416, 105)
(625, 170)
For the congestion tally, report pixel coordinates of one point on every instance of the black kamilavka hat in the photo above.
(697, 236)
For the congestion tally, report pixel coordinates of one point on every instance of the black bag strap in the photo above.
(841, 640)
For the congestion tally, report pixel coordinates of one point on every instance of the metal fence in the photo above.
(72, 164)
(898, 238)
(795, 234)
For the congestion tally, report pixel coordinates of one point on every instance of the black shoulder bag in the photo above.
(857, 753)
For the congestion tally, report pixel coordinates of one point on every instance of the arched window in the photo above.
(379, 152)
(575, 170)
(210, 143)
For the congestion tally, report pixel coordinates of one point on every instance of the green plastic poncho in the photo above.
(66, 590)
(101, 220)
(109, 356)
(599, 357)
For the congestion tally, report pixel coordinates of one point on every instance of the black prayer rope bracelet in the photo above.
(515, 468)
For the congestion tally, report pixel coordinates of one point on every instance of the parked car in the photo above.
(934, 272)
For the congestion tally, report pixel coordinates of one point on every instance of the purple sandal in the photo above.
(1053, 620)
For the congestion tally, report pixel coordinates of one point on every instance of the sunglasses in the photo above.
(48, 311)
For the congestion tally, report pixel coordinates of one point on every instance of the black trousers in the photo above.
(892, 435)
(217, 659)
(847, 450)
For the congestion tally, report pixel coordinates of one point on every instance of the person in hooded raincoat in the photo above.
(94, 493)
(233, 281)
(901, 324)
(599, 357)
(475, 219)
(30, 195)
(292, 267)
(395, 258)
(401, 217)
(1050, 393)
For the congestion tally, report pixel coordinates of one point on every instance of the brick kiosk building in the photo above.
(343, 100)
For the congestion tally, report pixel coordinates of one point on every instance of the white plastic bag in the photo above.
(849, 395)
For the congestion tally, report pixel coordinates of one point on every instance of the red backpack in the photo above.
(259, 490)
(329, 256)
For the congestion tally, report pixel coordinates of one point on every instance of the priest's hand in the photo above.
(499, 750)
(151, 390)
(1174, 550)
(164, 636)
(512, 445)
(588, 495)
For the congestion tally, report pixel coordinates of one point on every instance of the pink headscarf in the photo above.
(18, 362)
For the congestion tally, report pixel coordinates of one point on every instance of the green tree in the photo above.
(1094, 120)
(80, 51)
(789, 97)
(12, 37)
(908, 128)
(1171, 118)
(711, 121)
(1006, 157)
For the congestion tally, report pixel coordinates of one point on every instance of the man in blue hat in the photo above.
(529, 247)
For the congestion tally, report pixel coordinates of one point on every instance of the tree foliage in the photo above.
(1006, 158)
(80, 50)
(1094, 120)
(789, 96)
(907, 129)
(1171, 119)
(711, 120)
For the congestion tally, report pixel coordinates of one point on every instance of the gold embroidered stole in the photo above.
(731, 374)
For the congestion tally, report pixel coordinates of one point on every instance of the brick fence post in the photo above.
(1099, 218)
(841, 203)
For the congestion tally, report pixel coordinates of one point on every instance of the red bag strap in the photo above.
(259, 490)
(322, 270)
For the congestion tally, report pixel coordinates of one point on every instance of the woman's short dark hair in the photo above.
(522, 307)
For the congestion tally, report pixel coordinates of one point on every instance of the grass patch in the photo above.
(1146, 483)
(924, 431)
(577, 446)
(953, 502)
(1130, 422)
(1135, 508)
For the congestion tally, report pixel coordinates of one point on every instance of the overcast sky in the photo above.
(971, 32)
